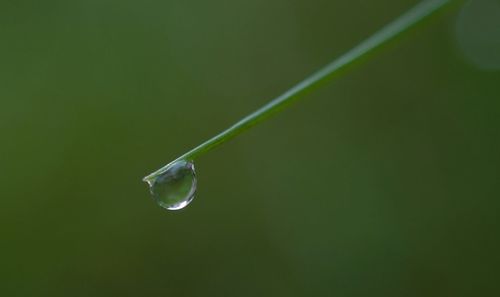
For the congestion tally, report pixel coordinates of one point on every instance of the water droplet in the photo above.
(478, 33)
(175, 187)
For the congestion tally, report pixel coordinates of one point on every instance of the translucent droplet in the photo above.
(478, 33)
(175, 187)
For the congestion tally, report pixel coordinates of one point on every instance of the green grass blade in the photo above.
(394, 29)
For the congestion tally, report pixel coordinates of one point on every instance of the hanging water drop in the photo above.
(174, 187)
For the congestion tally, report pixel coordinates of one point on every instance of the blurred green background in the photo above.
(385, 182)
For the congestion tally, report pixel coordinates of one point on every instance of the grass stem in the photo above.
(409, 19)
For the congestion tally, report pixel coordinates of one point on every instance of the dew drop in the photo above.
(175, 187)
(478, 33)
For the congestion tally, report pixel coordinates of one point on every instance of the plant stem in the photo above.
(412, 17)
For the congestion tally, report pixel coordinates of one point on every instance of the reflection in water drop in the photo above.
(175, 187)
